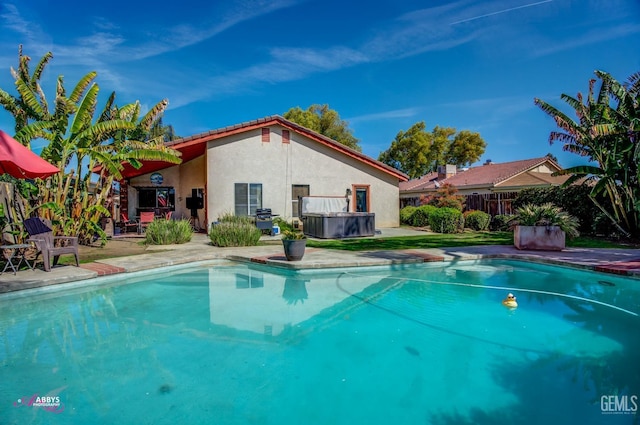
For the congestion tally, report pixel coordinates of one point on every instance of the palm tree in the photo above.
(606, 133)
(78, 145)
(31, 104)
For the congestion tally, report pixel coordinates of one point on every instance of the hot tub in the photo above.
(339, 225)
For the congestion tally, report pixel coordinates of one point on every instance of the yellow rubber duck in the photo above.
(510, 301)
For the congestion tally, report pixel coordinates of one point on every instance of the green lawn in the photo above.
(428, 240)
(436, 240)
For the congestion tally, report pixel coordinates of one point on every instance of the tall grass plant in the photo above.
(231, 233)
(168, 232)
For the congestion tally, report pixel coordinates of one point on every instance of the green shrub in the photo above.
(446, 220)
(167, 232)
(234, 233)
(420, 217)
(500, 222)
(406, 213)
(546, 215)
(292, 235)
(477, 220)
(283, 224)
(575, 201)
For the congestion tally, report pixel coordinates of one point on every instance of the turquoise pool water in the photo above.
(245, 344)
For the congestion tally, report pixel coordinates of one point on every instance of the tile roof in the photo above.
(488, 175)
(195, 145)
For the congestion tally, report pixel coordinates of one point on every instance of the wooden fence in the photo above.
(491, 203)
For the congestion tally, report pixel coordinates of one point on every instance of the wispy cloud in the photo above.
(110, 46)
(108, 43)
(510, 9)
(386, 115)
(504, 103)
(319, 59)
(490, 112)
(416, 32)
(184, 35)
(405, 36)
(120, 60)
(591, 37)
(13, 21)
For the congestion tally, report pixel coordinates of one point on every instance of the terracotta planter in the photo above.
(543, 238)
(294, 248)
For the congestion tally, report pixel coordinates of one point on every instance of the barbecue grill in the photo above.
(264, 220)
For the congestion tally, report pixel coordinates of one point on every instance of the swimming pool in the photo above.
(247, 344)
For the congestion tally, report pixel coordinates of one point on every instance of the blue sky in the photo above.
(383, 65)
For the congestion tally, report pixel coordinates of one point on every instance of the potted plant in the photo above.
(542, 227)
(294, 243)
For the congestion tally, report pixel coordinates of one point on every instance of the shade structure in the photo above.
(20, 162)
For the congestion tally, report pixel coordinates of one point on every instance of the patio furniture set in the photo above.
(43, 242)
(139, 225)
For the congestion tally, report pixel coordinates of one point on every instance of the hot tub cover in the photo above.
(323, 205)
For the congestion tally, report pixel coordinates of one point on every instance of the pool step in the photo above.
(427, 258)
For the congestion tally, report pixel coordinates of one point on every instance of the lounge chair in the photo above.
(48, 245)
(128, 224)
(146, 217)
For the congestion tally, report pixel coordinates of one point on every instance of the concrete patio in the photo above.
(618, 261)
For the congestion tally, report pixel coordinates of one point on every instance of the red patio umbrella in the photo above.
(20, 162)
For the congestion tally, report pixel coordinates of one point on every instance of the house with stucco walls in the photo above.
(265, 163)
(490, 187)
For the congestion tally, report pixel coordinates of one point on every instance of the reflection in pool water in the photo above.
(238, 344)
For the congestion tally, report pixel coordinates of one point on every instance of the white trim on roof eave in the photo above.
(518, 188)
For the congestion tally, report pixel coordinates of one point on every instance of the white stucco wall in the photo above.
(244, 158)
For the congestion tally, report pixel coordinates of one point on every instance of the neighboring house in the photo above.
(490, 187)
(266, 163)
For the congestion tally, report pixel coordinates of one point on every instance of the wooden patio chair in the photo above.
(51, 247)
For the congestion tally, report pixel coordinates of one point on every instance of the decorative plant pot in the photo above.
(294, 248)
(543, 238)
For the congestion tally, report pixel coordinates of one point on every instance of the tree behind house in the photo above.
(417, 152)
(325, 121)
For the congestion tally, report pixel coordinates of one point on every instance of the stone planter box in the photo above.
(543, 238)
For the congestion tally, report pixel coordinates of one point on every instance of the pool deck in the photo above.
(624, 262)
